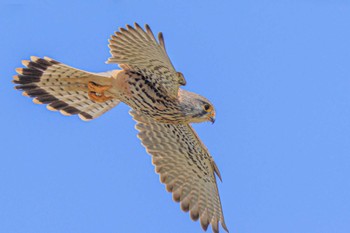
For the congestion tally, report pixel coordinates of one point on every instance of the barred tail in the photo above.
(61, 87)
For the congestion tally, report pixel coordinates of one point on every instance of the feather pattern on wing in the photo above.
(138, 50)
(185, 167)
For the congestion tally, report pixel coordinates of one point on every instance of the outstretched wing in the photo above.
(139, 51)
(61, 87)
(185, 167)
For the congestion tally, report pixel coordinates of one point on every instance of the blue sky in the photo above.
(277, 72)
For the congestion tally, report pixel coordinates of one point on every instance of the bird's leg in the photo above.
(96, 92)
(97, 87)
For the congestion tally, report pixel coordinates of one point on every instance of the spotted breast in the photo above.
(138, 92)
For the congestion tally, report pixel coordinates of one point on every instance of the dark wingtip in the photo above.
(205, 226)
(224, 226)
(194, 215)
(137, 26)
(129, 27)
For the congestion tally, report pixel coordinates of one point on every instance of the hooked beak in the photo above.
(212, 119)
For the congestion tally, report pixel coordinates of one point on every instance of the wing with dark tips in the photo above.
(138, 50)
(185, 167)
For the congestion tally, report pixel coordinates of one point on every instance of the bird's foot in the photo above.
(96, 92)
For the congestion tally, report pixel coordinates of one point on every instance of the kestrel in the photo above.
(149, 84)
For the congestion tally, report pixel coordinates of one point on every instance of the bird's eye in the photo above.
(206, 107)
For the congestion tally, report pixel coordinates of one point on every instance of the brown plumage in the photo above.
(149, 84)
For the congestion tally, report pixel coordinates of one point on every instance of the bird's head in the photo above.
(196, 108)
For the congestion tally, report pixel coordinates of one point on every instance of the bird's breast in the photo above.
(142, 95)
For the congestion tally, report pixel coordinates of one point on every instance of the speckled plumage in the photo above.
(185, 167)
(149, 84)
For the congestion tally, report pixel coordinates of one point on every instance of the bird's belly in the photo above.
(158, 112)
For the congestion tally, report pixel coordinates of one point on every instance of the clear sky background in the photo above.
(278, 73)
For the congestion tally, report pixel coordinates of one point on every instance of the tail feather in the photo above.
(97, 109)
(61, 87)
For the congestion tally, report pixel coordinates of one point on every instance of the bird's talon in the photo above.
(98, 97)
(96, 92)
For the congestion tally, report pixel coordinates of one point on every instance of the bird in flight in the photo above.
(150, 85)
